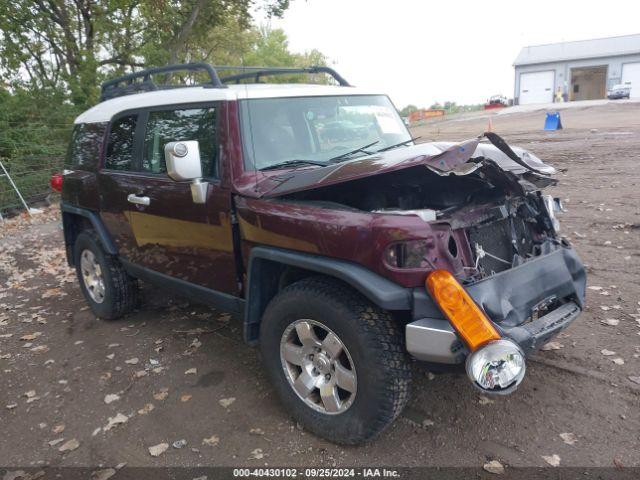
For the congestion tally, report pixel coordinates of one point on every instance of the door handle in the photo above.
(133, 198)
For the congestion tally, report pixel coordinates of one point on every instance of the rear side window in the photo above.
(85, 145)
(120, 143)
(166, 126)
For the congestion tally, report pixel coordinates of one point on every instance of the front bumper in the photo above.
(515, 301)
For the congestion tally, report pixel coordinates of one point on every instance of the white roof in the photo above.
(596, 48)
(104, 111)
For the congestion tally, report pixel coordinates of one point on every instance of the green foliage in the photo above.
(55, 53)
(450, 106)
(229, 44)
(39, 116)
(270, 47)
(34, 131)
(453, 107)
(408, 110)
(70, 46)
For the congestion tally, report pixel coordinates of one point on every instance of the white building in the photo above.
(581, 70)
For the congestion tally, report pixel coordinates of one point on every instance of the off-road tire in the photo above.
(121, 290)
(374, 340)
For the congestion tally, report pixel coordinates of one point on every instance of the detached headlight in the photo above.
(553, 206)
(498, 367)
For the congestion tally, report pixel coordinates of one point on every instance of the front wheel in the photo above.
(337, 362)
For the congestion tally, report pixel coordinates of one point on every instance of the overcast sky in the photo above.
(420, 52)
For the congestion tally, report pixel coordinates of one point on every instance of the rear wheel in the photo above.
(106, 286)
(337, 362)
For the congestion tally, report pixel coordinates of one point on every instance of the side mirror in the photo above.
(183, 160)
(183, 164)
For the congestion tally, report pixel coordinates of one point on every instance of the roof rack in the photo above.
(141, 81)
(113, 88)
(256, 73)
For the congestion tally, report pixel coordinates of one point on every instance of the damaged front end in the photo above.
(466, 208)
(473, 210)
(526, 280)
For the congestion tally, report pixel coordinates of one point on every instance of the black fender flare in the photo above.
(262, 286)
(97, 224)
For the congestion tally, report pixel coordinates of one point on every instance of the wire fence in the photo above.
(31, 151)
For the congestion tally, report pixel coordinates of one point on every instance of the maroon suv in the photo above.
(347, 249)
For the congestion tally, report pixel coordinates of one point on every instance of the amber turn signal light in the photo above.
(466, 317)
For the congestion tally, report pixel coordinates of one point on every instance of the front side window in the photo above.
(166, 126)
(277, 130)
(120, 143)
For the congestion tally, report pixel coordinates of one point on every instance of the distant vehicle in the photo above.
(496, 101)
(621, 90)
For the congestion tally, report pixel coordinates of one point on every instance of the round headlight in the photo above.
(497, 367)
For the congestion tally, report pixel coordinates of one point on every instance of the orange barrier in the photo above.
(424, 114)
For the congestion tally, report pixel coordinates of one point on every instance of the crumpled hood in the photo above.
(492, 152)
(439, 156)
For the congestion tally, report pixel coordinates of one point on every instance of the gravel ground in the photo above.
(173, 371)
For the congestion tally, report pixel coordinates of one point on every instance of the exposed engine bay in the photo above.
(515, 231)
(500, 217)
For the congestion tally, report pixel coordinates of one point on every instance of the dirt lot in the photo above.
(175, 371)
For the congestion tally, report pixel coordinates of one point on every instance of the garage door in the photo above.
(631, 74)
(536, 87)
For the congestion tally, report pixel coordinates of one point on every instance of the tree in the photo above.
(451, 107)
(55, 53)
(409, 109)
(271, 48)
(70, 45)
(34, 132)
(230, 44)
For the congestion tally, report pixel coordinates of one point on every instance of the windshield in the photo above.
(276, 130)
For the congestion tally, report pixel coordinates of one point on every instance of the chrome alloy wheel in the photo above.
(318, 366)
(92, 276)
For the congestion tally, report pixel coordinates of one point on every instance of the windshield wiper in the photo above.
(292, 163)
(391, 147)
(357, 150)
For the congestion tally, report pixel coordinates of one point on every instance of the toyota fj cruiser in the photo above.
(348, 250)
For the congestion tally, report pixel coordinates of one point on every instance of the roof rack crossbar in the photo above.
(112, 88)
(256, 72)
(142, 82)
